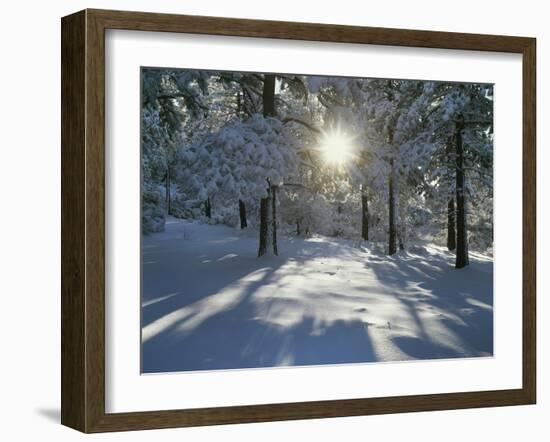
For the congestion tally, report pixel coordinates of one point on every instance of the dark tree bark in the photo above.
(451, 213)
(208, 208)
(298, 229)
(242, 214)
(268, 223)
(364, 214)
(239, 104)
(451, 221)
(242, 207)
(168, 192)
(401, 224)
(274, 218)
(462, 259)
(392, 231)
(391, 209)
(264, 220)
(268, 97)
(400, 239)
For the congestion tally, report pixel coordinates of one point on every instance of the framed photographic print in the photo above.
(267, 221)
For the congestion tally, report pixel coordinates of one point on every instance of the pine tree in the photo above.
(268, 239)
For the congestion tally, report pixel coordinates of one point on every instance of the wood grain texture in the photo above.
(83, 220)
(143, 21)
(308, 410)
(95, 222)
(529, 220)
(73, 129)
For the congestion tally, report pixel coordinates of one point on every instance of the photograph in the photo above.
(294, 220)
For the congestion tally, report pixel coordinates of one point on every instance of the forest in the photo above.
(305, 168)
(390, 161)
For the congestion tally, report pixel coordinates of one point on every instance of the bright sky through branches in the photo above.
(337, 146)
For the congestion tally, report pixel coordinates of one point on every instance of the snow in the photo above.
(209, 303)
(239, 159)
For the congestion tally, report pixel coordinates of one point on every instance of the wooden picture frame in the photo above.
(83, 220)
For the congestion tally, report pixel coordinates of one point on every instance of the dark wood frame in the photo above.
(83, 217)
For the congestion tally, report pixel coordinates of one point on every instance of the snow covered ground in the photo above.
(209, 303)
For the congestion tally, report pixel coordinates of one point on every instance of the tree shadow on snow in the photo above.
(209, 303)
(452, 309)
(231, 336)
(200, 310)
(234, 343)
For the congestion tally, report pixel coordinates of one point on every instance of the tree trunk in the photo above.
(268, 98)
(451, 213)
(208, 208)
(391, 209)
(268, 223)
(400, 238)
(168, 192)
(239, 104)
(451, 221)
(264, 226)
(401, 227)
(274, 218)
(462, 259)
(364, 214)
(268, 95)
(242, 214)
